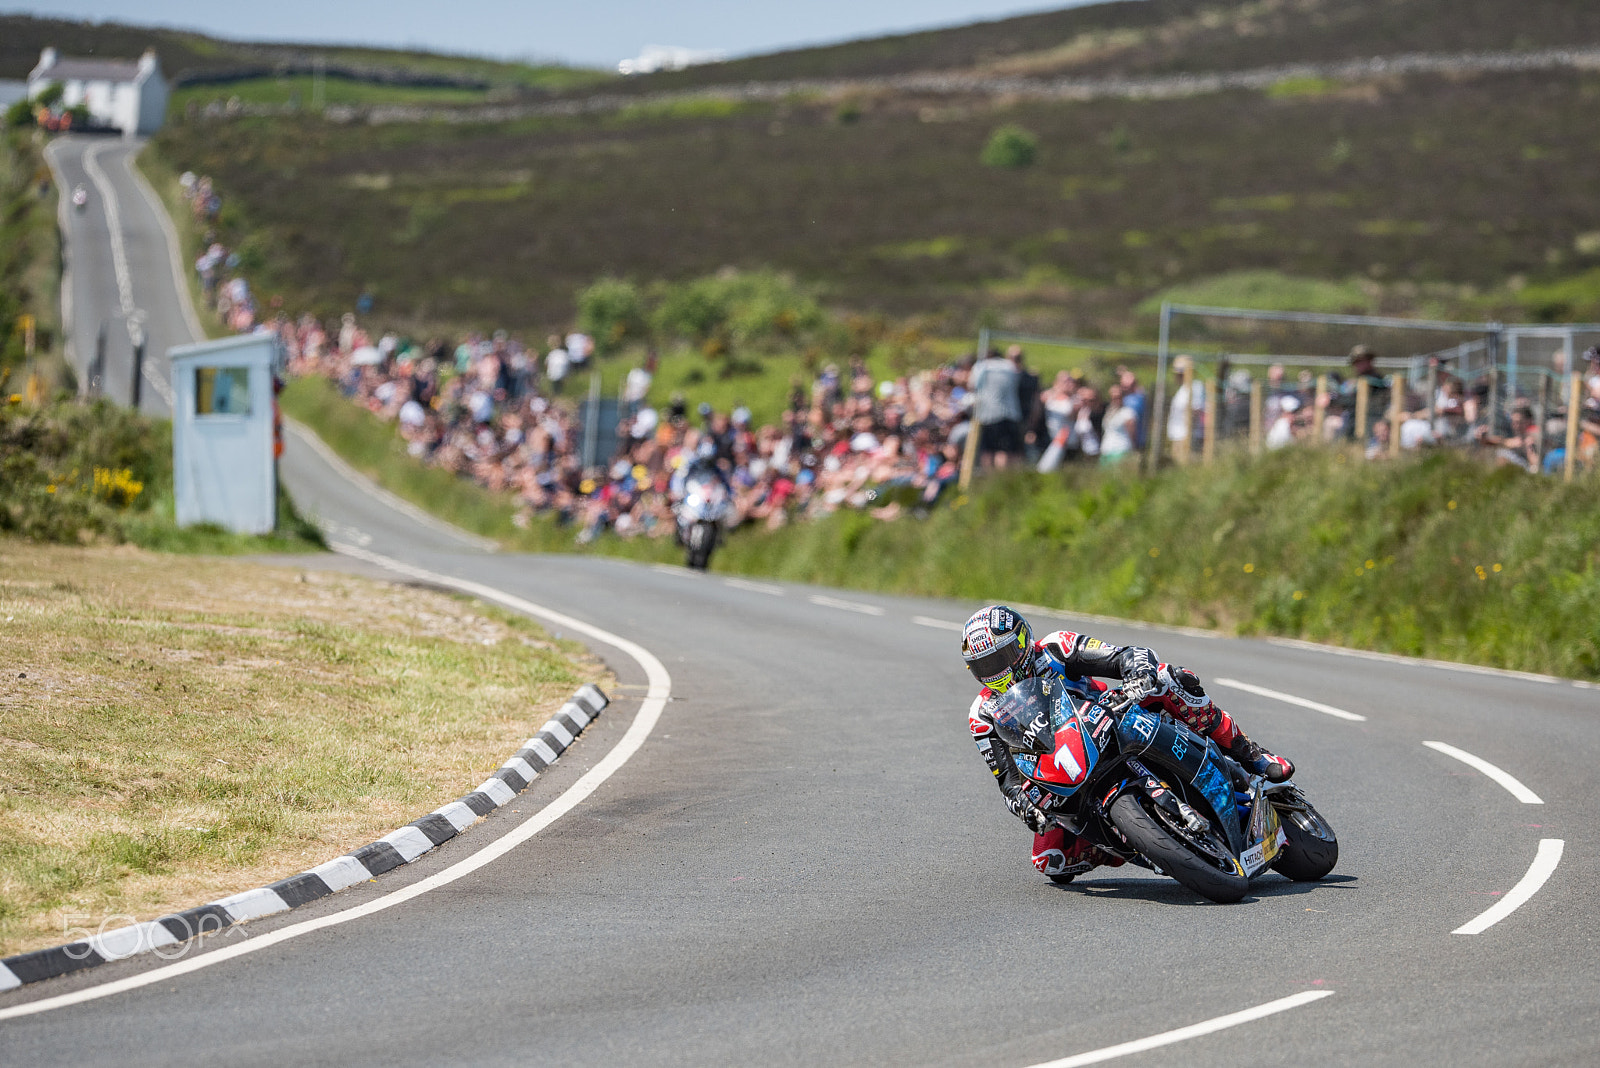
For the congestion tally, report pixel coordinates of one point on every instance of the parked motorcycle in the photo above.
(1148, 789)
(700, 513)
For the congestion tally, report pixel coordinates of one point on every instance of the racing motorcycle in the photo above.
(1146, 788)
(700, 514)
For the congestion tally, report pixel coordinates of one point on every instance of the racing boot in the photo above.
(1077, 858)
(1257, 759)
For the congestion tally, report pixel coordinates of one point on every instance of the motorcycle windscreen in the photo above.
(1025, 715)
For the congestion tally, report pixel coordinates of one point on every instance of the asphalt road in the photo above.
(119, 294)
(807, 863)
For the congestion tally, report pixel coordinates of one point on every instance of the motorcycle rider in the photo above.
(999, 649)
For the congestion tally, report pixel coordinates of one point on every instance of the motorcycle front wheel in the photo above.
(1312, 848)
(1207, 867)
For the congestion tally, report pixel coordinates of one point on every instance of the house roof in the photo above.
(92, 70)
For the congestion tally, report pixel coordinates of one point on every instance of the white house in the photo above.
(128, 95)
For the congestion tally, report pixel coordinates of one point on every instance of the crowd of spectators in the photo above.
(1520, 427)
(492, 409)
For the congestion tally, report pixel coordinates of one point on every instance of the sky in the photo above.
(593, 33)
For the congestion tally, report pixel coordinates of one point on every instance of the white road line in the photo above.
(643, 723)
(1510, 782)
(848, 606)
(309, 438)
(119, 264)
(938, 624)
(119, 253)
(1544, 865)
(174, 251)
(754, 587)
(670, 569)
(1183, 1034)
(1291, 699)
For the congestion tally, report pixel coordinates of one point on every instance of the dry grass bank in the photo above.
(174, 729)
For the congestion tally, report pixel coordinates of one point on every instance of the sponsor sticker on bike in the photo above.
(1141, 723)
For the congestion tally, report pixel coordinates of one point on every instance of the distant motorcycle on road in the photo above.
(1146, 788)
(80, 197)
(700, 512)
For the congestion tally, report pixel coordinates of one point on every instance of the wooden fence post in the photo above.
(1255, 417)
(1397, 412)
(1363, 388)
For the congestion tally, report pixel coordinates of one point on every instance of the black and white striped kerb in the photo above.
(375, 858)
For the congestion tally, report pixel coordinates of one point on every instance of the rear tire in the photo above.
(1173, 856)
(1312, 848)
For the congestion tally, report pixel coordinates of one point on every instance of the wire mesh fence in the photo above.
(1234, 378)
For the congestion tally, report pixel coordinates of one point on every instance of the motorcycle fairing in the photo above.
(1194, 760)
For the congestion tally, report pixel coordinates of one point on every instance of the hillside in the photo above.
(1145, 37)
(1451, 194)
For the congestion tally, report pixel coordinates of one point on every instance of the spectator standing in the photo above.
(1117, 428)
(995, 383)
(556, 364)
(1033, 427)
(1134, 400)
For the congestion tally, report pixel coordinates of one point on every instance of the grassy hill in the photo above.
(1143, 37)
(1430, 193)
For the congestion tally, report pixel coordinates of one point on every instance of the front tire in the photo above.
(1175, 857)
(1312, 848)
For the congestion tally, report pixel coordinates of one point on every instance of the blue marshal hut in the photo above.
(223, 433)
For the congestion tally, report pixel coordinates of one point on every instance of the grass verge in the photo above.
(372, 447)
(1436, 556)
(174, 730)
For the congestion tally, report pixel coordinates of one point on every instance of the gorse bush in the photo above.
(1011, 146)
(72, 472)
(726, 312)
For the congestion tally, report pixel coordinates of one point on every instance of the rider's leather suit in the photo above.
(1081, 661)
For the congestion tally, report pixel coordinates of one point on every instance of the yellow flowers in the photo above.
(1249, 568)
(1154, 553)
(1451, 505)
(1497, 569)
(1481, 573)
(116, 485)
(1371, 564)
(1299, 595)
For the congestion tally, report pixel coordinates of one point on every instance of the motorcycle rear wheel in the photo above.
(1174, 856)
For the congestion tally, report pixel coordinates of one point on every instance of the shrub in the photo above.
(19, 114)
(613, 313)
(1010, 146)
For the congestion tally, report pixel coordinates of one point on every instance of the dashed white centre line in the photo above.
(847, 606)
(1544, 865)
(754, 587)
(1510, 782)
(1291, 699)
(1182, 1034)
(939, 624)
